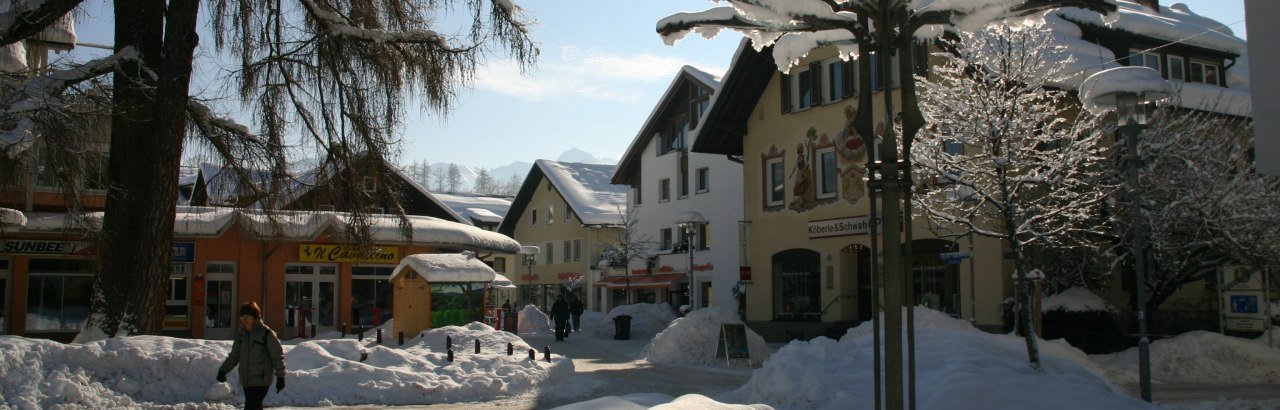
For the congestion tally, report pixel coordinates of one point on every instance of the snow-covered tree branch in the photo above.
(1013, 158)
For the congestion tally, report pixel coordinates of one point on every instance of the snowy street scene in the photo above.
(665, 204)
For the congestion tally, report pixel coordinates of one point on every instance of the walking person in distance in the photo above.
(575, 309)
(560, 315)
(258, 353)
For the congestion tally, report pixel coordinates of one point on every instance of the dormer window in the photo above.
(1204, 72)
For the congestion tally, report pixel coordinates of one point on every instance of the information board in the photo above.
(733, 342)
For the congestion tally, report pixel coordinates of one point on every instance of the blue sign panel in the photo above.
(1244, 304)
(183, 252)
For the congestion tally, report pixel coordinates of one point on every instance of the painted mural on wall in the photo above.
(851, 160)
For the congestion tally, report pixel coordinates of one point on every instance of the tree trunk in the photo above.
(147, 130)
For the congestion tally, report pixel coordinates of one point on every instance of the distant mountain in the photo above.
(580, 156)
(502, 174)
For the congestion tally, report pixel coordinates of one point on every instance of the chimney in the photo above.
(1154, 5)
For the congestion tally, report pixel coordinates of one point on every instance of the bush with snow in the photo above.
(152, 371)
(533, 321)
(693, 339)
(647, 319)
(1199, 357)
(956, 365)
(1076, 299)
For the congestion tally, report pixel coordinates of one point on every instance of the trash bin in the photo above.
(622, 327)
(511, 321)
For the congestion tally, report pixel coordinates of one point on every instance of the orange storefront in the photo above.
(293, 267)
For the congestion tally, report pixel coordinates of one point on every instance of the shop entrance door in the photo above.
(310, 292)
(221, 306)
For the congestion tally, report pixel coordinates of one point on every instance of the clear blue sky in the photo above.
(601, 70)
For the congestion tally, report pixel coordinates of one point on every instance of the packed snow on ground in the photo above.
(647, 319)
(640, 401)
(152, 371)
(956, 363)
(533, 321)
(1199, 357)
(1076, 299)
(693, 340)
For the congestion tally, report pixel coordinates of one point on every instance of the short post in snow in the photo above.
(379, 335)
(533, 354)
(451, 355)
(361, 335)
(448, 342)
(313, 330)
(546, 353)
(401, 338)
(364, 356)
(344, 330)
(511, 349)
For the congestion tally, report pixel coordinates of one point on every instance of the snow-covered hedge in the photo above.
(1076, 299)
(693, 339)
(1199, 357)
(956, 365)
(148, 371)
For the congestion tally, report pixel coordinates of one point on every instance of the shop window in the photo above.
(177, 306)
(58, 294)
(371, 295)
(797, 285)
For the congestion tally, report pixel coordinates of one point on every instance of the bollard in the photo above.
(401, 338)
(361, 334)
(379, 335)
(344, 330)
(364, 356)
(511, 349)
(546, 353)
(313, 330)
(448, 342)
(451, 355)
(532, 354)
(477, 345)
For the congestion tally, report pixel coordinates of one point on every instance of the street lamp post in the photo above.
(689, 222)
(530, 253)
(1129, 91)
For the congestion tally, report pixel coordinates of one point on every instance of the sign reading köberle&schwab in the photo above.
(856, 225)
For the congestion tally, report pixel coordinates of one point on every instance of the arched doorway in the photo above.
(937, 284)
(797, 285)
(855, 262)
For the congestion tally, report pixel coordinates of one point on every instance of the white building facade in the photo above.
(669, 185)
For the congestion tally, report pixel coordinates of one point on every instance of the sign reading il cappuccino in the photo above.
(311, 252)
(857, 225)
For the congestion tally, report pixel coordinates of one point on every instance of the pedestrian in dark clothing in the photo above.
(575, 309)
(259, 355)
(560, 315)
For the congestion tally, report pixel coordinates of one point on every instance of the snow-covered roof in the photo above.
(302, 226)
(222, 185)
(9, 216)
(476, 206)
(454, 267)
(483, 215)
(1174, 23)
(587, 190)
(501, 281)
(63, 30)
(630, 160)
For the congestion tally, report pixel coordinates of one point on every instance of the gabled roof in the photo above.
(724, 124)
(441, 267)
(585, 187)
(486, 208)
(630, 162)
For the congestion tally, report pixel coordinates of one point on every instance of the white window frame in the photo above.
(833, 85)
(664, 190)
(799, 101)
(822, 172)
(1181, 74)
(369, 185)
(1145, 63)
(703, 178)
(770, 183)
(667, 239)
(1204, 77)
(551, 214)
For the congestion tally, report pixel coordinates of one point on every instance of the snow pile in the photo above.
(1076, 299)
(1098, 92)
(955, 364)
(658, 400)
(693, 339)
(647, 319)
(532, 321)
(152, 371)
(1199, 357)
(590, 319)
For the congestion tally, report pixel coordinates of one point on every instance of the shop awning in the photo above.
(661, 280)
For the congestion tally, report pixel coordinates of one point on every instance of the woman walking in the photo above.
(258, 353)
